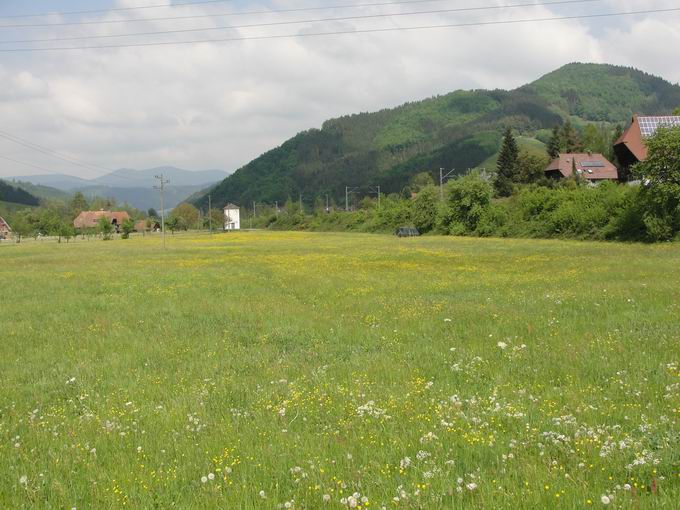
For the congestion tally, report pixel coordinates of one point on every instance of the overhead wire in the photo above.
(53, 153)
(116, 9)
(346, 32)
(231, 14)
(300, 22)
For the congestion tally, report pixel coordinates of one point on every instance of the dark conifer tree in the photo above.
(570, 138)
(506, 172)
(555, 143)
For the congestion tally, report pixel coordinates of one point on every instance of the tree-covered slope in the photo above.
(603, 92)
(15, 195)
(459, 130)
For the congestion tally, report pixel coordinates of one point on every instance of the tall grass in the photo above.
(297, 370)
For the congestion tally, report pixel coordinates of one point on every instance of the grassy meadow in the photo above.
(298, 370)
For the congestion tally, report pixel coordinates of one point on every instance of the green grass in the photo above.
(305, 365)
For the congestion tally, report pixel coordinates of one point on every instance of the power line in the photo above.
(38, 167)
(299, 22)
(51, 152)
(228, 14)
(115, 9)
(347, 32)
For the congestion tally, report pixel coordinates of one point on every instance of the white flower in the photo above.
(605, 500)
(326, 498)
(204, 479)
(23, 480)
(405, 462)
(211, 476)
(352, 502)
(626, 486)
(262, 494)
(471, 486)
(139, 449)
(502, 345)
(288, 504)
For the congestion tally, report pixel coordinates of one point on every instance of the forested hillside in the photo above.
(459, 130)
(16, 195)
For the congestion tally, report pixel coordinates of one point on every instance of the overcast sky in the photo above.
(219, 105)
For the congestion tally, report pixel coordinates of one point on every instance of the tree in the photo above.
(467, 199)
(21, 227)
(105, 228)
(507, 165)
(186, 214)
(66, 231)
(554, 146)
(173, 223)
(152, 213)
(425, 209)
(531, 167)
(571, 141)
(661, 195)
(78, 204)
(128, 226)
(676, 111)
(420, 181)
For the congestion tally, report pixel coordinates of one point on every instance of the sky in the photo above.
(218, 105)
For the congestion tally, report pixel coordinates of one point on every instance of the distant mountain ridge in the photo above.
(127, 178)
(459, 130)
(136, 187)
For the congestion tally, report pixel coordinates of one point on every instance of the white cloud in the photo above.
(220, 105)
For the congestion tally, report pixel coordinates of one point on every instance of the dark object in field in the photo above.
(407, 232)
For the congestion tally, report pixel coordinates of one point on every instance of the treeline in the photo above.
(518, 202)
(13, 194)
(55, 217)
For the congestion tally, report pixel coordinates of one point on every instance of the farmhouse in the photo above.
(89, 219)
(589, 166)
(5, 230)
(232, 217)
(141, 226)
(630, 148)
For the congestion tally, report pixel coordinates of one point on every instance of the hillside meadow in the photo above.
(306, 370)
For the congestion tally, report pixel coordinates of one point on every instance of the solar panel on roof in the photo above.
(649, 125)
(592, 164)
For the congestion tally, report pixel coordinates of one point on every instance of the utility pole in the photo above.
(161, 187)
(348, 191)
(328, 209)
(376, 190)
(443, 176)
(276, 204)
(210, 213)
(301, 211)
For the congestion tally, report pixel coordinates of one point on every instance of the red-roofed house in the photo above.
(589, 166)
(5, 230)
(89, 219)
(630, 148)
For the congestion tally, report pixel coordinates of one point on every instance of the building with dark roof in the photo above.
(588, 166)
(630, 148)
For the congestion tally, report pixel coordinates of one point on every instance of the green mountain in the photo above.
(16, 195)
(459, 130)
(41, 191)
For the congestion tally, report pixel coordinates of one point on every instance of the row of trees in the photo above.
(650, 212)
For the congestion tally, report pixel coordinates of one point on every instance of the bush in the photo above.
(467, 199)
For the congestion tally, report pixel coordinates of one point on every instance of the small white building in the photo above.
(232, 217)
